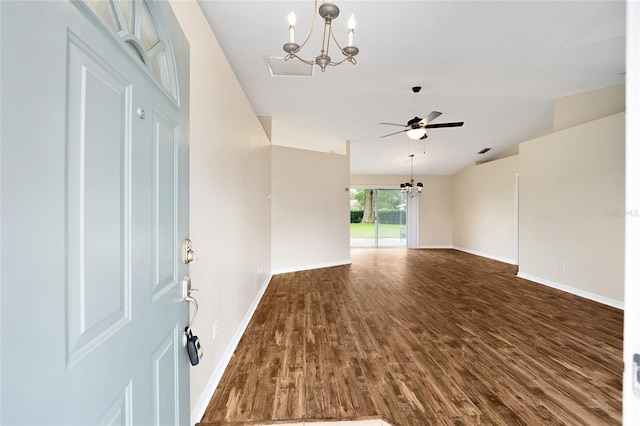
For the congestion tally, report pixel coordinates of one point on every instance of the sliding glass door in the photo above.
(378, 218)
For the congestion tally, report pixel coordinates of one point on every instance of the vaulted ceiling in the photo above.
(496, 65)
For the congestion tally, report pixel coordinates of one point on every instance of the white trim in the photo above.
(205, 397)
(308, 267)
(436, 247)
(517, 220)
(488, 256)
(587, 295)
(631, 341)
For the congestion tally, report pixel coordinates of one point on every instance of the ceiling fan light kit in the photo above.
(328, 12)
(416, 133)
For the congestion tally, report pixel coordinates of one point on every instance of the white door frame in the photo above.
(631, 382)
(517, 220)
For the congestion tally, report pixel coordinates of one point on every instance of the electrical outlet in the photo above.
(561, 265)
(215, 330)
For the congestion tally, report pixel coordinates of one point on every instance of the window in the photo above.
(135, 23)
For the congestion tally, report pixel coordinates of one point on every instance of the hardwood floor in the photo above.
(423, 337)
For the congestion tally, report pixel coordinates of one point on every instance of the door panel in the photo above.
(98, 281)
(94, 174)
(165, 179)
(165, 376)
(119, 413)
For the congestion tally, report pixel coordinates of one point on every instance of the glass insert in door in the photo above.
(378, 218)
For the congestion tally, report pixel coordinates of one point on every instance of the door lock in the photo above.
(188, 255)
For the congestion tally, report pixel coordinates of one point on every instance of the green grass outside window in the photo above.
(366, 230)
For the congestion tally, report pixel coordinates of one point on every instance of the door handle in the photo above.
(189, 340)
(186, 295)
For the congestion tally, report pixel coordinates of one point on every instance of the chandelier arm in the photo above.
(333, 64)
(313, 25)
(348, 56)
(335, 40)
(293, 55)
(323, 60)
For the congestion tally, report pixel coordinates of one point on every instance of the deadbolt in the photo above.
(188, 255)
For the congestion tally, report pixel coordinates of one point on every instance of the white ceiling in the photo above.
(496, 65)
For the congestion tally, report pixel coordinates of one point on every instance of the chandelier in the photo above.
(408, 187)
(328, 12)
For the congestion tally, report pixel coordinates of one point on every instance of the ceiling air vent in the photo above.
(278, 67)
(484, 151)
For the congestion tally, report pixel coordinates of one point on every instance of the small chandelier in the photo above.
(328, 12)
(409, 187)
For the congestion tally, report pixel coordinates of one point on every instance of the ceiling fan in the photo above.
(416, 127)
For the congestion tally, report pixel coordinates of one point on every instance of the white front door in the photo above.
(94, 184)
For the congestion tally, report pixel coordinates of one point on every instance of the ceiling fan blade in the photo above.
(435, 126)
(429, 118)
(395, 133)
(394, 124)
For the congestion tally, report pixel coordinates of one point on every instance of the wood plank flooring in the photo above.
(423, 337)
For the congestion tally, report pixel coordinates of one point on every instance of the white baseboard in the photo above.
(308, 267)
(488, 256)
(206, 395)
(587, 295)
(435, 247)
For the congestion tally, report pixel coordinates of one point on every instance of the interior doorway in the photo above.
(378, 218)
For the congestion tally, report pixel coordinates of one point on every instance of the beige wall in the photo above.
(230, 212)
(310, 209)
(484, 209)
(571, 187)
(435, 205)
(572, 209)
(436, 212)
(581, 108)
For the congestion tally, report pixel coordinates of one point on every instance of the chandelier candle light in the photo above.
(328, 12)
(408, 187)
